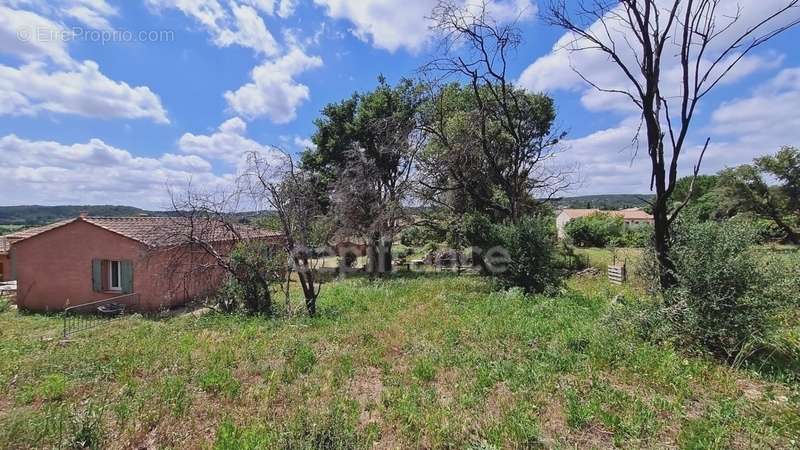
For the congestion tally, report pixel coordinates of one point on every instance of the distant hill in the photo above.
(603, 201)
(29, 215)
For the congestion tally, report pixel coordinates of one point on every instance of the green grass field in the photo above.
(418, 361)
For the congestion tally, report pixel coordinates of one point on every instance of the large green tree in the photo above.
(491, 143)
(748, 189)
(365, 149)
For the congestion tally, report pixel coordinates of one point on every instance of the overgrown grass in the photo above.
(418, 361)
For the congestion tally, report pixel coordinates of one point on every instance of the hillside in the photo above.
(39, 215)
(604, 201)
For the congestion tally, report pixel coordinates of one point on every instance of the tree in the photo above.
(366, 148)
(638, 36)
(595, 230)
(491, 143)
(279, 186)
(703, 197)
(747, 188)
(205, 235)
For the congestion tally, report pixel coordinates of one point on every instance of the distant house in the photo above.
(5, 260)
(88, 259)
(631, 216)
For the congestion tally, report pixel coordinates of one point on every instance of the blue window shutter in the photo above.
(97, 275)
(126, 276)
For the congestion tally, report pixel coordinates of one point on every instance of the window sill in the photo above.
(116, 291)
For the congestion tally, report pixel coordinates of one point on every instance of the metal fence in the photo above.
(94, 314)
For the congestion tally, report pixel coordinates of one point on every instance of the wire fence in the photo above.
(95, 314)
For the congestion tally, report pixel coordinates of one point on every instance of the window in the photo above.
(114, 276)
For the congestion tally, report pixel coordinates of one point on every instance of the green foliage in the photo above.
(530, 246)
(424, 370)
(595, 230)
(419, 236)
(726, 297)
(604, 201)
(634, 236)
(300, 360)
(747, 189)
(255, 266)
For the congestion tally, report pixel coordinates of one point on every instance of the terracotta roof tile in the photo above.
(3, 245)
(30, 232)
(160, 231)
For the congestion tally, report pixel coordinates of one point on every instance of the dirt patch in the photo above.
(446, 386)
(556, 432)
(499, 400)
(366, 388)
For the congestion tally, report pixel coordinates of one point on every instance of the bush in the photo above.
(255, 265)
(418, 236)
(530, 247)
(634, 236)
(726, 296)
(595, 230)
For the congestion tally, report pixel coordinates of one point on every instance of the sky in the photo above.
(113, 102)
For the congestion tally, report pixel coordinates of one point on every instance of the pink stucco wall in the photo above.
(5, 267)
(55, 269)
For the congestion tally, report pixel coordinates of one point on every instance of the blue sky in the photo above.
(84, 121)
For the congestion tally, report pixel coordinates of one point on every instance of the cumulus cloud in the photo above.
(83, 91)
(273, 91)
(557, 69)
(19, 37)
(228, 143)
(740, 130)
(241, 25)
(49, 172)
(51, 80)
(391, 26)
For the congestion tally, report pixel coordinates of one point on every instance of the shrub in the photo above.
(595, 230)
(726, 296)
(635, 236)
(530, 246)
(418, 236)
(255, 266)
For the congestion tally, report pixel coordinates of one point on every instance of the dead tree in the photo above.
(203, 235)
(279, 187)
(509, 138)
(639, 37)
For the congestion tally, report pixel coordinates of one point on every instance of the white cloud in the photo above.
(50, 172)
(740, 130)
(286, 8)
(92, 13)
(19, 36)
(274, 92)
(767, 118)
(554, 71)
(241, 26)
(251, 32)
(84, 91)
(391, 26)
(228, 143)
(303, 143)
(51, 80)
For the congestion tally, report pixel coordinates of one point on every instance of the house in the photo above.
(88, 259)
(5, 260)
(631, 216)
